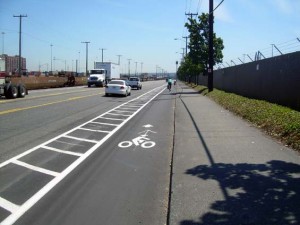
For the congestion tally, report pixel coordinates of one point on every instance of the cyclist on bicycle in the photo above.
(170, 84)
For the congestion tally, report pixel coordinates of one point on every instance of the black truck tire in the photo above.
(21, 91)
(11, 91)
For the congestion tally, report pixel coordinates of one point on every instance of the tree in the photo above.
(188, 68)
(197, 57)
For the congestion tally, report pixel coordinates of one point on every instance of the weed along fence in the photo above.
(275, 79)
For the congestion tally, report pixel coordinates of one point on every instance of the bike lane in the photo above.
(125, 182)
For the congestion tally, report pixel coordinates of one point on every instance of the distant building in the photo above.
(2, 65)
(11, 64)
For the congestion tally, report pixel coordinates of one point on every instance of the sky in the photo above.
(141, 30)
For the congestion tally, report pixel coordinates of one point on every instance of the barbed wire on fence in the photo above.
(269, 52)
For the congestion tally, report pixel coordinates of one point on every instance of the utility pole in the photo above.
(119, 61)
(211, 47)
(51, 56)
(86, 57)
(128, 67)
(102, 49)
(2, 42)
(136, 68)
(79, 62)
(20, 43)
(191, 14)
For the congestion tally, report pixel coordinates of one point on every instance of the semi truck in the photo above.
(11, 90)
(102, 73)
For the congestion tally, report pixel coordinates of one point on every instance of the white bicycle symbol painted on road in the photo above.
(141, 140)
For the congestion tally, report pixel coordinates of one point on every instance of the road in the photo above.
(74, 156)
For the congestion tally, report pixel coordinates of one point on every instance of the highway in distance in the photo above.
(74, 156)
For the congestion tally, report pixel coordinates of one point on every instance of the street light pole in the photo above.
(86, 62)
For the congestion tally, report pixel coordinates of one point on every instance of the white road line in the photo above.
(36, 168)
(129, 109)
(68, 143)
(63, 151)
(110, 124)
(132, 106)
(123, 111)
(43, 191)
(108, 118)
(115, 114)
(81, 139)
(99, 131)
(9, 206)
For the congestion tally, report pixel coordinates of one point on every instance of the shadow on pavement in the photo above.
(266, 193)
(263, 193)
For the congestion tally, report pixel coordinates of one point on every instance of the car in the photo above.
(118, 87)
(135, 82)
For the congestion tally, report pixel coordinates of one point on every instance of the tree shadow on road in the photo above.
(265, 193)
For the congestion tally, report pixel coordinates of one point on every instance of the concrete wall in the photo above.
(276, 80)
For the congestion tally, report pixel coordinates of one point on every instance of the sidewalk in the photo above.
(227, 172)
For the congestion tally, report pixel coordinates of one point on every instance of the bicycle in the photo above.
(169, 86)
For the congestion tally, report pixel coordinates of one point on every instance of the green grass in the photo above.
(278, 121)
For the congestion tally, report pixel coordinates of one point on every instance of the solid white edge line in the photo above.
(42, 192)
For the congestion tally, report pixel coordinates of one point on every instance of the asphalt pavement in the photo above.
(226, 171)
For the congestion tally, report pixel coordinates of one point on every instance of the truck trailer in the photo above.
(102, 73)
(112, 70)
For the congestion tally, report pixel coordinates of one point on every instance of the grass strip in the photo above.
(278, 121)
